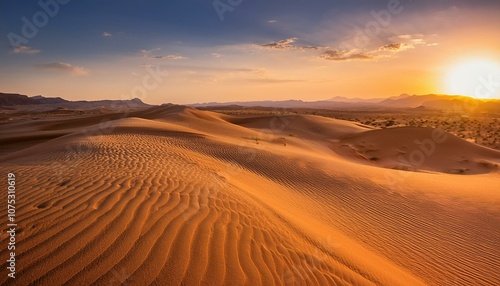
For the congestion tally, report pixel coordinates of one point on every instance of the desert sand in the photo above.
(177, 196)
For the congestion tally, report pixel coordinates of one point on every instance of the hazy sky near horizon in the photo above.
(187, 51)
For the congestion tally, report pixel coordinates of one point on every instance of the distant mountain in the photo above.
(414, 101)
(14, 99)
(111, 104)
(326, 104)
(266, 103)
(456, 103)
(453, 103)
(10, 99)
(49, 100)
(355, 99)
(403, 101)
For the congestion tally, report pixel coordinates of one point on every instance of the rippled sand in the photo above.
(177, 196)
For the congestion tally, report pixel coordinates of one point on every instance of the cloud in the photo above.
(350, 55)
(405, 37)
(396, 47)
(288, 44)
(25, 50)
(272, 21)
(344, 55)
(415, 39)
(327, 53)
(64, 67)
(169, 57)
(106, 34)
(378, 53)
(396, 44)
(149, 54)
(216, 55)
(280, 45)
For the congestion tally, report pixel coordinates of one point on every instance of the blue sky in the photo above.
(260, 49)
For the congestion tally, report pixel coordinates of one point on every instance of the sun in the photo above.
(479, 78)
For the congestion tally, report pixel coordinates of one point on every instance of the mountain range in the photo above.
(14, 99)
(403, 101)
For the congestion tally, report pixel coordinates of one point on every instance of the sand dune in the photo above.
(177, 196)
(414, 148)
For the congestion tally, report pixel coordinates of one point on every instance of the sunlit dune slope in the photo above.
(416, 148)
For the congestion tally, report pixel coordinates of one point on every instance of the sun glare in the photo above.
(477, 78)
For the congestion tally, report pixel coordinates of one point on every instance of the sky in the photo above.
(193, 51)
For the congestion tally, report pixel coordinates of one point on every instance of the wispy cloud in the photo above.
(106, 34)
(272, 21)
(396, 44)
(64, 67)
(149, 54)
(396, 47)
(416, 39)
(288, 44)
(344, 55)
(216, 55)
(406, 42)
(169, 57)
(25, 50)
(280, 45)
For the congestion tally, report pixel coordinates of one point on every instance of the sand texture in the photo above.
(178, 196)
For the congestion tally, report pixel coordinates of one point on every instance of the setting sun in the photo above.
(479, 78)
